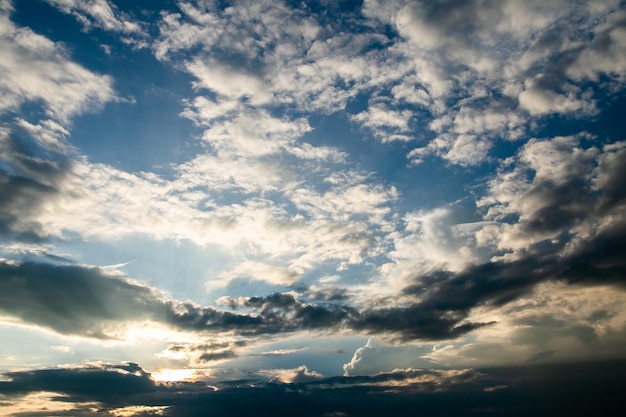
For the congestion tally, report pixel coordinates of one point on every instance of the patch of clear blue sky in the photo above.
(180, 268)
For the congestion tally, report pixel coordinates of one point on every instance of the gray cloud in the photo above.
(22, 197)
(85, 301)
(570, 389)
(32, 177)
(105, 383)
(216, 356)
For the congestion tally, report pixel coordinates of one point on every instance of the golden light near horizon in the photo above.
(174, 375)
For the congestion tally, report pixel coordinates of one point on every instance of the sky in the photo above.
(316, 208)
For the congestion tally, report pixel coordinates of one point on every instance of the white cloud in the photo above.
(470, 53)
(462, 149)
(48, 134)
(386, 124)
(467, 150)
(35, 69)
(605, 54)
(350, 367)
(98, 13)
(539, 101)
(229, 81)
(257, 271)
(292, 376)
(453, 60)
(254, 134)
(430, 240)
(346, 202)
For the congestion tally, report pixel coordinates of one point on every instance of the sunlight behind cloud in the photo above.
(174, 375)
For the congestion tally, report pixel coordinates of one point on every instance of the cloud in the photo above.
(559, 220)
(99, 383)
(451, 78)
(85, 301)
(573, 323)
(198, 354)
(387, 124)
(294, 313)
(575, 238)
(232, 83)
(292, 376)
(37, 69)
(257, 271)
(110, 389)
(98, 13)
(100, 202)
(349, 367)
(21, 197)
(88, 303)
(557, 187)
(504, 64)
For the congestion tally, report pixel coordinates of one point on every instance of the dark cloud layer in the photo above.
(84, 301)
(446, 298)
(556, 390)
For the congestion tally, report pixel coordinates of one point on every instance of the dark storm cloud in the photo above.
(81, 300)
(556, 390)
(296, 314)
(84, 301)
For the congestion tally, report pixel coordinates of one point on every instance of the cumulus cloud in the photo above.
(357, 357)
(292, 376)
(557, 186)
(506, 63)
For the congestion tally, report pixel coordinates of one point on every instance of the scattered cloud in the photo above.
(36, 69)
(306, 143)
(98, 13)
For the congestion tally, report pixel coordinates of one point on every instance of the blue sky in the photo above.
(210, 200)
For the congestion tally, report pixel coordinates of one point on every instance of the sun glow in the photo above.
(174, 375)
